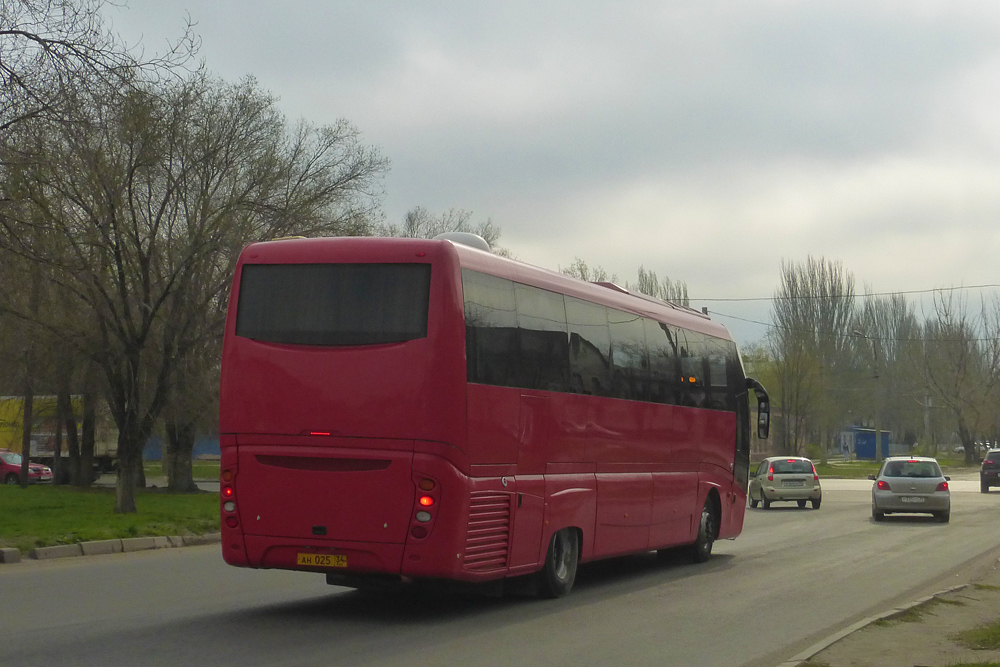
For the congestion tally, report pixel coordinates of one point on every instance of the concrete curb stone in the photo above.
(98, 547)
(58, 551)
(103, 547)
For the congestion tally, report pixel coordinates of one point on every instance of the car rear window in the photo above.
(794, 467)
(911, 469)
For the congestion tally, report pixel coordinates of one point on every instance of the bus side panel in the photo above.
(675, 495)
(529, 513)
(493, 424)
(624, 504)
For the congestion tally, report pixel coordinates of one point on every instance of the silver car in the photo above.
(912, 485)
(785, 478)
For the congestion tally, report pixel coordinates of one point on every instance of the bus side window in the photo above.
(490, 329)
(590, 347)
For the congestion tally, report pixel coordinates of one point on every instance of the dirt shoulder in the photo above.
(923, 635)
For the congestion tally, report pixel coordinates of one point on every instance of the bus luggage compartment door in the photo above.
(306, 492)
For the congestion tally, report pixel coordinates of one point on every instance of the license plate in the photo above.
(322, 560)
(911, 499)
(793, 482)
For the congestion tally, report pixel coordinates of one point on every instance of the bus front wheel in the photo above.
(557, 576)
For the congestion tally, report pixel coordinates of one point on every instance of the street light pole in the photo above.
(878, 439)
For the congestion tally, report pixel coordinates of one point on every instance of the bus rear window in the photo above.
(333, 304)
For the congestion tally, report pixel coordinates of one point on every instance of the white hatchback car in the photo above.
(785, 478)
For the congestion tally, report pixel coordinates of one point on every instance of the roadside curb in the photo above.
(825, 643)
(102, 547)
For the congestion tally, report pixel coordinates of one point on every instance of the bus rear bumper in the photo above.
(323, 555)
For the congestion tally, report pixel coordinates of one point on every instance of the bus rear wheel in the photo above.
(701, 550)
(557, 575)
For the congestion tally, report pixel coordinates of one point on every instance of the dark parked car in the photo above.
(989, 472)
(10, 469)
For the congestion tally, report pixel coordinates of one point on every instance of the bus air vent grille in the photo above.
(486, 544)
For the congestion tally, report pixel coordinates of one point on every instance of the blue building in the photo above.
(861, 442)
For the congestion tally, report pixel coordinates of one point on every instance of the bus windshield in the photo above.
(333, 304)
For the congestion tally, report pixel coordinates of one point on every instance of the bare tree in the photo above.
(813, 308)
(419, 223)
(962, 365)
(51, 47)
(647, 282)
(151, 201)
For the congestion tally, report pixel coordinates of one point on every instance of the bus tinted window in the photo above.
(589, 347)
(333, 304)
(629, 361)
(490, 329)
(543, 359)
(664, 372)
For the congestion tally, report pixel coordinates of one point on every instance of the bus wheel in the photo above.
(557, 576)
(701, 550)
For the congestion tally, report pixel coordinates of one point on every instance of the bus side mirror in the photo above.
(763, 408)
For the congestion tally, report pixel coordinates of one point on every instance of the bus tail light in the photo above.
(232, 521)
(419, 532)
(423, 517)
(426, 501)
(943, 486)
(883, 485)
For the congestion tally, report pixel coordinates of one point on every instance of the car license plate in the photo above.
(911, 499)
(322, 560)
(793, 482)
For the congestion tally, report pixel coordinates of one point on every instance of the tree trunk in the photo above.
(180, 442)
(86, 476)
(72, 442)
(26, 417)
(57, 462)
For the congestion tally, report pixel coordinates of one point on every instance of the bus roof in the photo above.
(309, 250)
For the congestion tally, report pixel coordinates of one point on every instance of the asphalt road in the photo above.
(793, 577)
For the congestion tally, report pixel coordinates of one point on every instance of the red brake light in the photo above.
(770, 473)
(426, 501)
(790, 461)
(883, 485)
(815, 474)
(988, 462)
(943, 486)
(227, 492)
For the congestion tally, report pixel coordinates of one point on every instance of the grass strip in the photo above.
(915, 613)
(45, 515)
(986, 637)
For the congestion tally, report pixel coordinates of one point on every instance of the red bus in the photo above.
(424, 410)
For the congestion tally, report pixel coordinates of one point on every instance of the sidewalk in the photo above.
(920, 633)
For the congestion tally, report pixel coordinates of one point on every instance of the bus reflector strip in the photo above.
(322, 464)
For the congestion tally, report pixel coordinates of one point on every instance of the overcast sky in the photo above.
(707, 141)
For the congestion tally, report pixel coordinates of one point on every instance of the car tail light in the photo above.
(988, 462)
(883, 485)
(943, 486)
(815, 474)
(770, 473)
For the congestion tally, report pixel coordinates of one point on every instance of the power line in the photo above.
(852, 296)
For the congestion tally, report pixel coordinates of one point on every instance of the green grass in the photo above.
(44, 515)
(915, 614)
(981, 638)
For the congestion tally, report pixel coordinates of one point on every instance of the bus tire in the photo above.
(701, 550)
(557, 575)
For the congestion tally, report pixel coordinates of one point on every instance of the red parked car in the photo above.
(10, 469)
